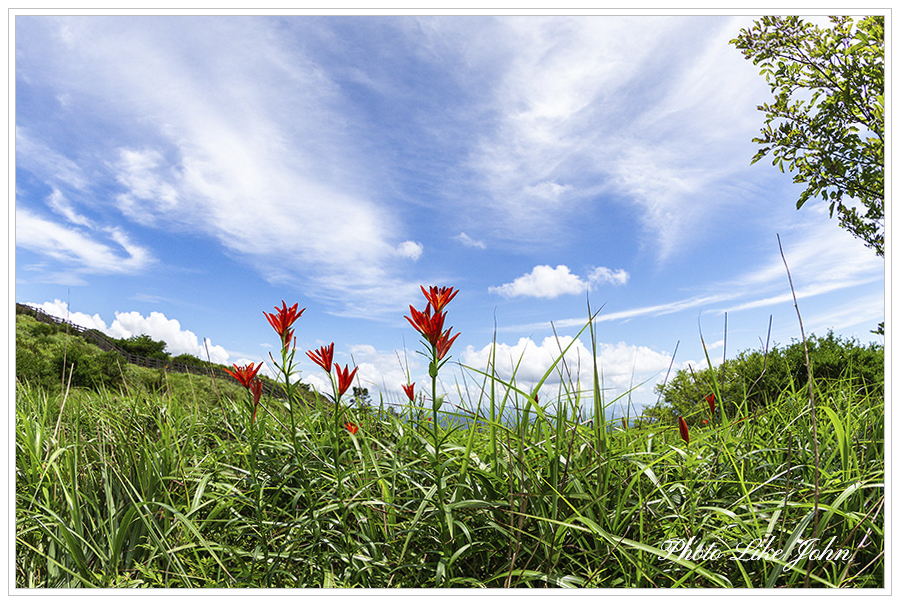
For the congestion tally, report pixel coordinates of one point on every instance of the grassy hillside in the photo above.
(52, 357)
(167, 482)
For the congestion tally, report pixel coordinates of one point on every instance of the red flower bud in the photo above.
(682, 427)
(711, 401)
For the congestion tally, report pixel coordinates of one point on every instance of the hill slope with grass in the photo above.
(154, 483)
(54, 355)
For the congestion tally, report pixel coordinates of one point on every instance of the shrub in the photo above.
(754, 379)
(32, 368)
(144, 346)
(189, 360)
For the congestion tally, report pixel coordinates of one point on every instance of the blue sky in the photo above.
(178, 176)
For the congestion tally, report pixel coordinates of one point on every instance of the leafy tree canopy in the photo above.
(827, 120)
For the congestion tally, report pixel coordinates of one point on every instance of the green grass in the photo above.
(173, 488)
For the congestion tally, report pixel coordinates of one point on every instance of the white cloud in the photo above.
(822, 258)
(866, 311)
(78, 249)
(157, 326)
(319, 383)
(634, 106)
(559, 92)
(59, 204)
(601, 274)
(622, 366)
(547, 190)
(256, 149)
(818, 252)
(60, 309)
(129, 324)
(410, 249)
(546, 282)
(216, 353)
(148, 193)
(469, 242)
(36, 156)
(383, 370)
(542, 282)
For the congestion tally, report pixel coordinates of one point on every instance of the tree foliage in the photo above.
(827, 120)
(757, 378)
(144, 346)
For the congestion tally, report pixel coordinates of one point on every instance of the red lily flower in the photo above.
(345, 378)
(439, 298)
(282, 321)
(256, 389)
(409, 390)
(711, 400)
(429, 325)
(444, 343)
(352, 428)
(682, 427)
(244, 374)
(323, 357)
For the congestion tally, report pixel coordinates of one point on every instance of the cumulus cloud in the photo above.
(622, 365)
(546, 282)
(410, 249)
(159, 327)
(128, 324)
(379, 371)
(60, 310)
(318, 383)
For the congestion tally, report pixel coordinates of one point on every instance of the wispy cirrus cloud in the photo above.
(59, 204)
(104, 251)
(469, 242)
(581, 113)
(257, 150)
(39, 157)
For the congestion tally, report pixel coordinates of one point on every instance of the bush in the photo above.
(745, 386)
(144, 346)
(189, 360)
(33, 369)
(87, 367)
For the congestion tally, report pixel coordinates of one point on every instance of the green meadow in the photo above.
(752, 474)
